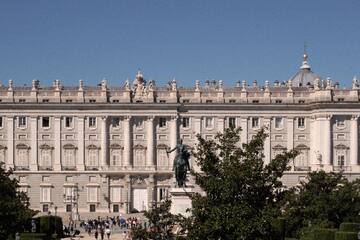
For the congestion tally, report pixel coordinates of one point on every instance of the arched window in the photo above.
(45, 156)
(139, 155)
(278, 149)
(115, 155)
(301, 161)
(162, 156)
(69, 156)
(341, 152)
(22, 156)
(93, 156)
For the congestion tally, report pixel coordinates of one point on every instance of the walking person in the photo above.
(96, 234)
(108, 232)
(102, 233)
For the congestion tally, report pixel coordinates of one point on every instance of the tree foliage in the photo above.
(242, 194)
(14, 205)
(162, 225)
(323, 200)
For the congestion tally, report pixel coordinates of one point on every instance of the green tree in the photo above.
(323, 200)
(242, 194)
(162, 225)
(14, 205)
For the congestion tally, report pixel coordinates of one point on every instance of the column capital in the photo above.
(174, 117)
(150, 118)
(127, 117)
(104, 117)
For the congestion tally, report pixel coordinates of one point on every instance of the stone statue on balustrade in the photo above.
(181, 163)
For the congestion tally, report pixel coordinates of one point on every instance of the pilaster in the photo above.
(354, 137)
(150, 142)
(220, 124)
(173, 135)
(290, 133)
(244, 130)
(10, 142)
(267, 143)
(34, 143)
(57, 143)
(104, 142)
(80, 164)
(127, 142)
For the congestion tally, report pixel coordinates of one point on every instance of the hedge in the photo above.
(324, 234)
(50, 225)
(346, 236)
(349, 227)
(33, 236)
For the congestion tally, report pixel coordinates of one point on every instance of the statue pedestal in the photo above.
(181, 200)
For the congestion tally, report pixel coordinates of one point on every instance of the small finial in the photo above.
(11, 85)
(197, 85)
(254, 84)
(220, 85)
(81, 85)
(244, 85)
(305, 64)
(267, 85)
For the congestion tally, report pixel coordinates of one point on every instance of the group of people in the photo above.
(101, 227)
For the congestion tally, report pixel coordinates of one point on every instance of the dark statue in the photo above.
(181, 163)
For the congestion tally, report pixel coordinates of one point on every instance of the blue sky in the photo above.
(186, 39)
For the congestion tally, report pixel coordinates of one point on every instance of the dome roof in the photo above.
(304, 77)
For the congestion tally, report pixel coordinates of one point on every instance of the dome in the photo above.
(304, 77)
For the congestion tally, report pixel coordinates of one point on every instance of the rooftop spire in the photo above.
(305, 64)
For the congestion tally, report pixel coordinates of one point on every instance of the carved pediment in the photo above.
(22, 146)
(116, 146)
(46, 147)
(301, 147)
(92, 146)
(69, 146)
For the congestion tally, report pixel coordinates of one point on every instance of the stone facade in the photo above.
(103, 149)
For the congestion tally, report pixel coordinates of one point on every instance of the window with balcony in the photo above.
(92, 122)
(279, 122)
(232, 122)
(301, 122)
(45, 122)
(45, 194)
(115, 194)
(185, 122)
(69, 123)
(162, 122)
(22, 122)
(92, 194)
(209, 122)
(139, 156)
(162, 156)
(255, 122)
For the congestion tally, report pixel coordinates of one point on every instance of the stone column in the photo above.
(128, 195)
(104, 142)
(220, 124)
(354, 138)
(150, 142)
(80, 163)
(290, 133)
(313, 143)
(267, 143)
(34, 143)
(57, 143)
(244, 130)
(127, 142)
(150, 190)
(325, 139)
(10, 142)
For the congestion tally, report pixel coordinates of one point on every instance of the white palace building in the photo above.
(102, 149)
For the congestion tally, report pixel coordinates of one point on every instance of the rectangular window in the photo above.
(92, 194)
(69, 100)
(279, 122)
(162, 122)
(232, 101)
(45, 194)
(186, 101)
(45, 207)
(209, 101)
(255, 101)
(232, 122)
(115, 121)
(209, 122)
(21, 100)
(163, 193)
(22, 121)
(301, 122)
(185, 122)
(255, 122)
(340, 123)
(92, 208)
(115, 101)
(92, 122)
(69, 122)
(301, 101)
(162, 101)
(341, 160)
(45, 100)
(115, 194)
(1, 122)
(45, 122)
(68, 208)
(92, 101)
(116, 208)
(278, 101)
